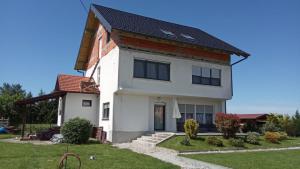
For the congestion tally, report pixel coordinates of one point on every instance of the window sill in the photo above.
(207, 85)
(105, 119)
(153, 80)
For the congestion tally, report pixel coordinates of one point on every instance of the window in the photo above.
(86, 103)
(190, 109)
(208, 114)
(206, 76)
(100, 47)
(203, 114)
(107, 37)
(187, 36)
(200, 114)
(151, 70)
(105, 112)
(167, 32)
(98, 75)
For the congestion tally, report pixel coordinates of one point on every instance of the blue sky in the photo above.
(40, 39)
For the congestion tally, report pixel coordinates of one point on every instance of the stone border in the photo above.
(238, 151)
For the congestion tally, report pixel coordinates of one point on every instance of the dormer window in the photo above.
(187, 36)
(167, 32)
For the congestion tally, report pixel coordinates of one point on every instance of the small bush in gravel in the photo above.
(76, 131)
(191, 128)
(237, 142)
(252, 138)
(212, 140)
(273, 137)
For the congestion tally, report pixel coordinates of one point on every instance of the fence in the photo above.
(3, 121)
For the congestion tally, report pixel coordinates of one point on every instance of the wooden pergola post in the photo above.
(23, 122)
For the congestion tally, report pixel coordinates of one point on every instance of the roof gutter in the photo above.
(231, 72)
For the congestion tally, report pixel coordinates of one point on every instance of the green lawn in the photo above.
(254, 160)
(28, 156)
(5, 136)
(200, 144)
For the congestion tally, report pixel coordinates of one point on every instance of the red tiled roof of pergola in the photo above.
(75, 84)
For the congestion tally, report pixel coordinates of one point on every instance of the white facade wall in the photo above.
(134, 114)
(73, 107)
(180, 83)
(108, 85)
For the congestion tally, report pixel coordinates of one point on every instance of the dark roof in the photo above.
(250, 116)
(115, 19)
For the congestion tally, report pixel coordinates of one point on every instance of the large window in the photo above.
(105, 112)
(151, 70)
(203, 114)
(206, 76)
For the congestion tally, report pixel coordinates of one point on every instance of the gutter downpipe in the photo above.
(231, 78)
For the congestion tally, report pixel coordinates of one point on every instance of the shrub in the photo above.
(283, 136)
(272, 137)
(191, 128)
(252, 138)
(186, 141)
(270, 127)
(76, 131)
(228, 124)
(212, 140)
(250, 126)
(237, 142)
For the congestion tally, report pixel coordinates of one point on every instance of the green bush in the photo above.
(191, 128)
(252, 138)
(212, 140)
(237, 142)
(273, 137)
(76, 131)
(283, 136)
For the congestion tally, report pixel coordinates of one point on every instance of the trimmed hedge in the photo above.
(237, 142)
(273, 137)
(252, 138)
(76, 131)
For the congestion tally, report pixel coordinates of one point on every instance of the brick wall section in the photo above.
(106, 47)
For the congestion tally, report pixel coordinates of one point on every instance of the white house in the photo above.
(137, 69)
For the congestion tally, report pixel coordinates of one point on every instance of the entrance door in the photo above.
(159, 117)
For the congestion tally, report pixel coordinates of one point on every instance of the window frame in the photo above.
(157, 73)
(209, 81)
(105, 111)
(85, 100)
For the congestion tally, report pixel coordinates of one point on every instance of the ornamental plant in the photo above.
(252, 138)
(76, 131)
(213, 140)
(191, 128)
(228, 124)
(273, 137)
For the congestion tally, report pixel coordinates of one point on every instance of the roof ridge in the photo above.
(62, 74)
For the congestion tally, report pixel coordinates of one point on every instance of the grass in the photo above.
(6, 136)
(254, 160)
(28, 156)
(199, 144)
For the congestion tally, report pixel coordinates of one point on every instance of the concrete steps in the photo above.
(153, 139)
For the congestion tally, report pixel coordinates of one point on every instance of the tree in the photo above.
(9, 94)
(228, 124)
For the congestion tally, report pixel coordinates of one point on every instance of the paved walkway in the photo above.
(240, 151)
(169, 156)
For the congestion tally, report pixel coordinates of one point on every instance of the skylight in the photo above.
(187, 36)
(167, 32)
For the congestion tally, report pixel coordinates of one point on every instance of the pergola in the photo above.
(33, 100)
